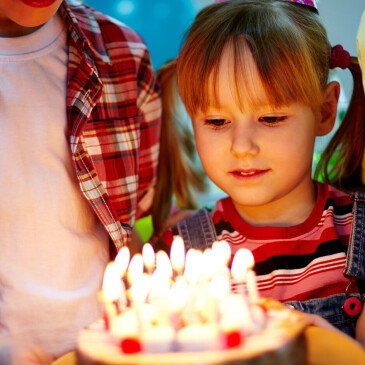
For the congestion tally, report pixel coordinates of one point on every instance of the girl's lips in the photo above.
(38, 3)
(247, 174)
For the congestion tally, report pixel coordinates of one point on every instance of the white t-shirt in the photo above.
(53, 249)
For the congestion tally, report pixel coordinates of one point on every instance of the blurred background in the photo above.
(162, 25)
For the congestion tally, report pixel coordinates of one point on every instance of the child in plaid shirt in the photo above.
(80, 115)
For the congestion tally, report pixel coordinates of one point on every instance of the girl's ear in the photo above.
(328, 109)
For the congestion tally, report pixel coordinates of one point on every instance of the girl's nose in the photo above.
(244, 141)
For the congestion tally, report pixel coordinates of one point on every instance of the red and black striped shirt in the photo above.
(300, 262)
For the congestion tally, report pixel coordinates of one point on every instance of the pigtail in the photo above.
(179, 174)
(340, 164)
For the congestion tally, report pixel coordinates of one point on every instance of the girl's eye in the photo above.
(216, 123)
(272, 120)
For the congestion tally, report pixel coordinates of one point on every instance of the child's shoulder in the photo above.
(332, 193)
(92, 22)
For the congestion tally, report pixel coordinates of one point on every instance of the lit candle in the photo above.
(235, 314)
(183, 302)
(221, 257)
(146, 313)
(242, 270)
(253, 293)
(222, 252)
(178, 296)
(241, 263)
(135, 268)
(163, 264)
(140, 288)
(121, 262)
(218, 289)
(177, 255)
(193, 266)
(208, 264)
(111, 283)
(197, 299)
(137, 282)
(160, 286)
(125, 329)
(125, 325)
(110, 293)
(148, 255)
(236, 320)
(246, 259)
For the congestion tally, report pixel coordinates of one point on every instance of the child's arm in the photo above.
(318, 321)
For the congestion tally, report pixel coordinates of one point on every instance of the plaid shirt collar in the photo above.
(85, 33)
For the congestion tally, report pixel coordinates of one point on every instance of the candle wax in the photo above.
(159, 338)
(198, 337)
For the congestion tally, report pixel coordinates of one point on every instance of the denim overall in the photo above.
(198, 232)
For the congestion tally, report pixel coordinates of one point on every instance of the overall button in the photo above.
(352, 306)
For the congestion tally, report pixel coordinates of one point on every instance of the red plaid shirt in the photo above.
(113, 111)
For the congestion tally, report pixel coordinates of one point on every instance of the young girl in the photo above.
(253, 78)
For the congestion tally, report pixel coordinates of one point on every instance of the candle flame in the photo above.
(177, 254)
(140, 288)
(179, 294)
(163, 264)
(242, 261)
(112, 285)
(221, 253)
(122, 260)
(160, 285)
(135, 268)
(219, 287)
(193, 265)
(209, 268)
(148, 255)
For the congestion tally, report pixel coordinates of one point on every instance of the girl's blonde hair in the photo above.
(179, 174)
(287, 41)
(340, 163)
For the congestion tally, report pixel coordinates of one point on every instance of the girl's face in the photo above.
(20, 17)
(260, 156)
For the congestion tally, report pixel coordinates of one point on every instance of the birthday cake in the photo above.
(183, 311)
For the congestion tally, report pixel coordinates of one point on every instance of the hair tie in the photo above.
(339, 57)
(309, 3)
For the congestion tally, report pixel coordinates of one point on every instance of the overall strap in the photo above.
(198, 231)
(355, 265)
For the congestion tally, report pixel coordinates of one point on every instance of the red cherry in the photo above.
(130, 345)
(233, 339)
